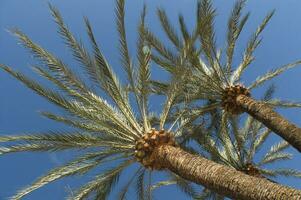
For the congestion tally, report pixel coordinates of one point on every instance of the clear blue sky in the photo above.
(19, 106)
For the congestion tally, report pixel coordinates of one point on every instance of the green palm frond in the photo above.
(170, 58)
(55, 141)
(169, 29)
(184, 30)
(123, 47)
(125, 189)
(144, 73)
(282, 172)
(102, 184)
(60, 70)
(77, 48)
(251, 47)
(282, 103)
(275, 153)
(206, 14)
(235, 26)
(257, 143)
(275, 157)
(260, 80)
(78, 166)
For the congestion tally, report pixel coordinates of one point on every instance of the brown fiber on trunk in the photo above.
(222, 179)
(271, 119)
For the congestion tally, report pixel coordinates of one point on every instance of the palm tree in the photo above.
(210, 79)
(239, 148)
(108, 131)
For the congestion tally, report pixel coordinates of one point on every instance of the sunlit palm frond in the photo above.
(235, 26)
(251, 47)
(169, 29)
(273, 74)
(276, 153)
(60, 70)
(78, 166)
(143, 84)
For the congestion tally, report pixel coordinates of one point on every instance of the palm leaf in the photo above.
(102, 184)
(273, 73)
(78, 166)
(252, 45)
(169, 29)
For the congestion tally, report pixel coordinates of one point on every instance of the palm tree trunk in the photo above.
(271, 119)
(221, 179)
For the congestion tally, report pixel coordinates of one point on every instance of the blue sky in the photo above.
(19, 106)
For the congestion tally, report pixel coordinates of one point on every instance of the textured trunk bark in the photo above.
(271, 119)
(222, 179)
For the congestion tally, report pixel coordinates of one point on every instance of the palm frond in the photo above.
(235, 26)
(77, 48)
(185, 33)
(55, 141)
(172, 92)
(169, 29)
(148, 193)
(228, 145)
(275, 153)
(206, 14)
(144, 56)
(162, 49)
(268, 94)
(74, 107)
(257, 143)
(78, 166)
(282, 172)
(108, 79)
(123, 47)
(275, 157)
(252, 45)
(283, 104)
(273, 73)
(185, 186)
(61, 70)
(102, 184)
(163, 183)
(125, 188)
(140, 185)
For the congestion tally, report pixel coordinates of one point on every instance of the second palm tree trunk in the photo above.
(222, 179)
(272, 120)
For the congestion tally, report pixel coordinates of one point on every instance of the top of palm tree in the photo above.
(107, 128)
(211, 76)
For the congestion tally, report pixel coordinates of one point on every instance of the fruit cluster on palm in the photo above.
(116, 128)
